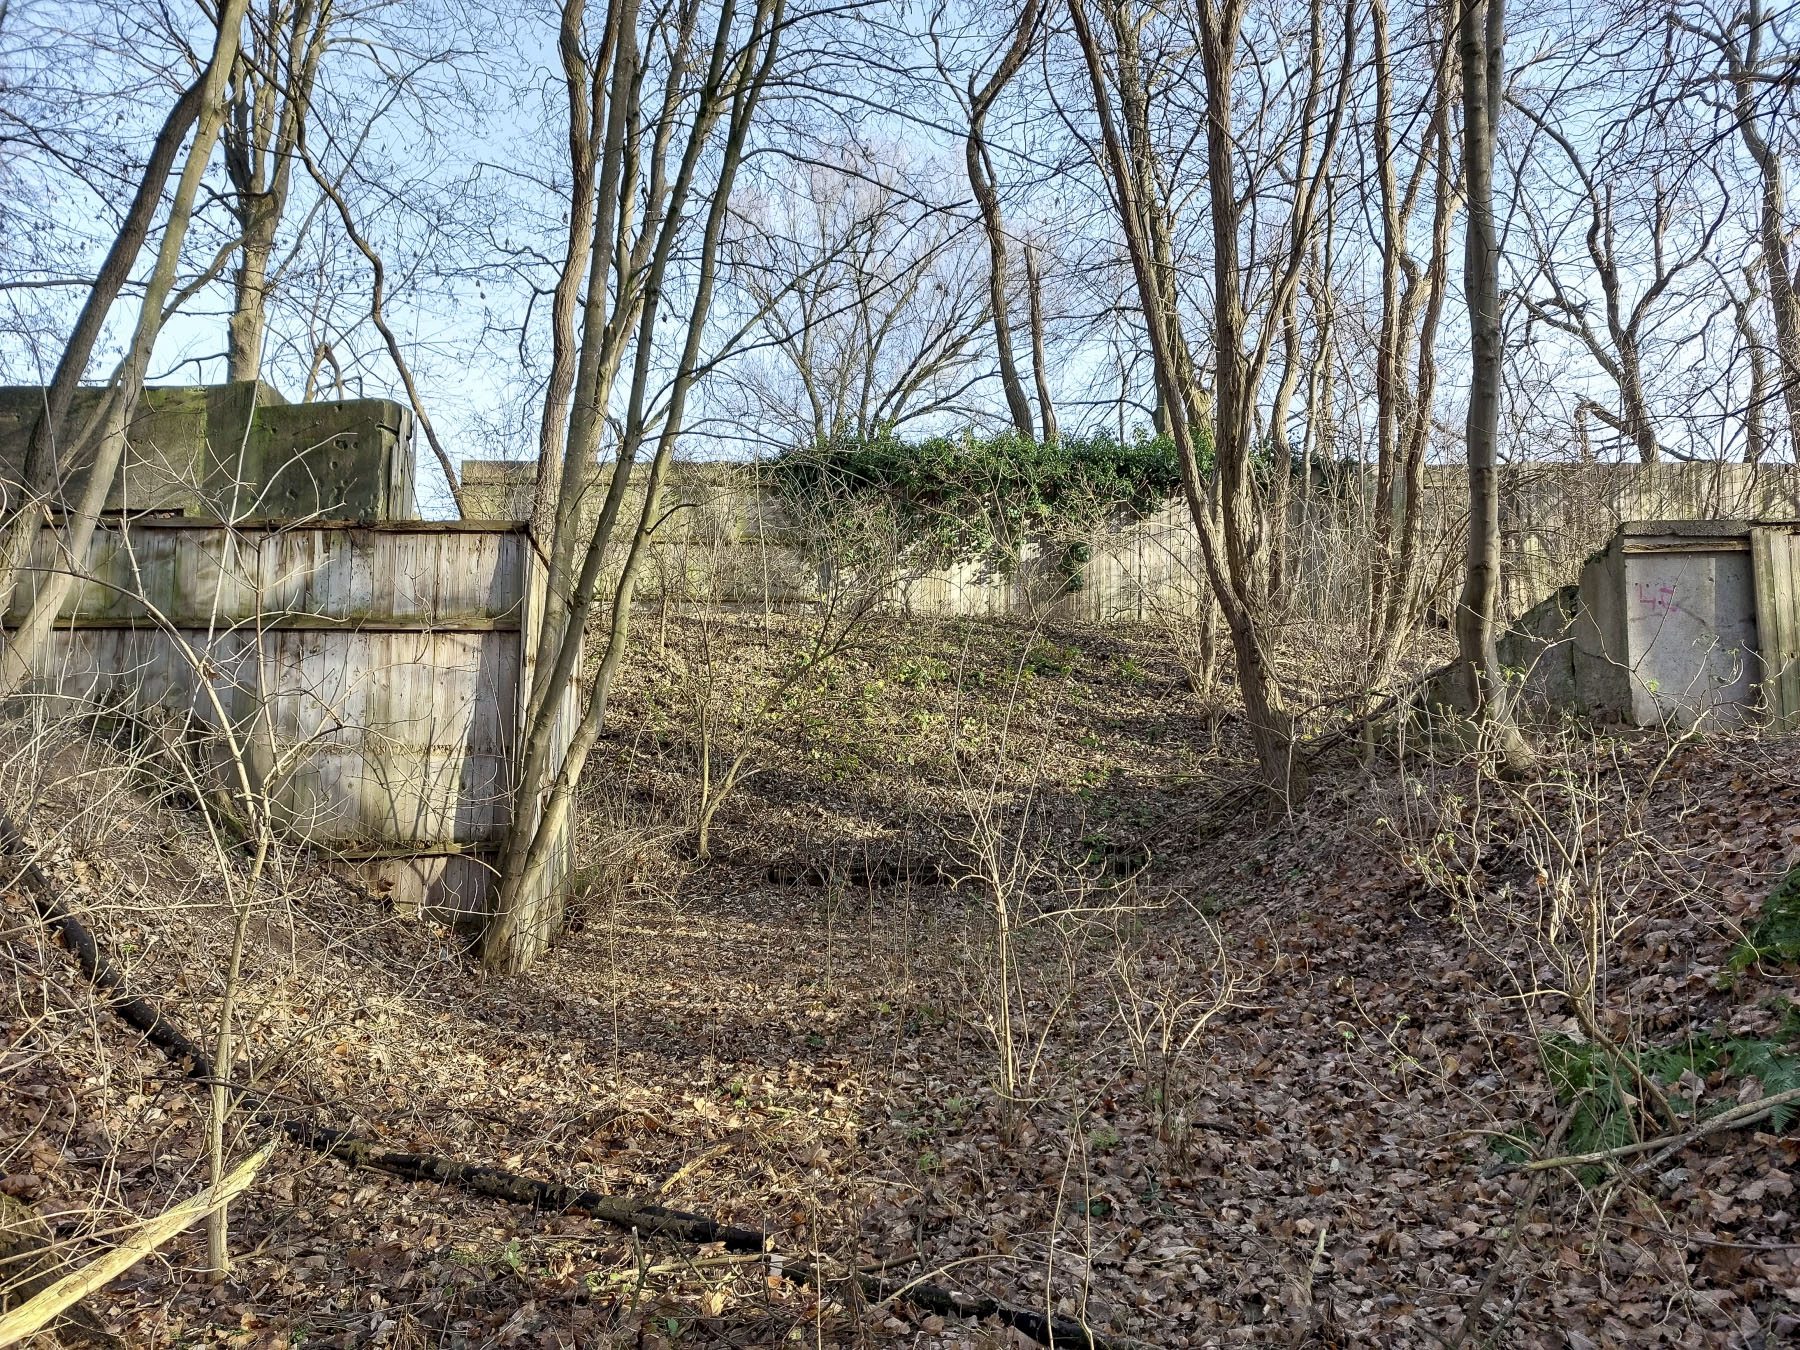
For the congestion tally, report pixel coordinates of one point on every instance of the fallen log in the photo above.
(311, 1132)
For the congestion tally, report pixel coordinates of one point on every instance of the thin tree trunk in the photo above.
(23, 648)
(260, 146)
(1388, 340)
(525, 915)
(1481, 40)
(1040, 371)
(1403, 598)
(1281, 458)
(1756, 432)
(585, 87)
(987, 200)
(1409, 394)
(1784, 304)
(615, 294)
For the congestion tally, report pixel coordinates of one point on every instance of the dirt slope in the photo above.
(1261, 1066)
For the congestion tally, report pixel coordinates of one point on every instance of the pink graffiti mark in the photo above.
(1658, 599)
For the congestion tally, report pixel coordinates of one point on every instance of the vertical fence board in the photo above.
(1775, 555)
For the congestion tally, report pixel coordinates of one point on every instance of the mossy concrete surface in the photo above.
(233, 451)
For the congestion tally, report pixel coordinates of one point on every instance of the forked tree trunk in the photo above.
(272, 98)
(1230, 535)
(526, 914)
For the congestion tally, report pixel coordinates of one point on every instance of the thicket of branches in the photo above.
(588, 233)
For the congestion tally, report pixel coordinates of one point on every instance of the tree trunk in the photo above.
(1756, 434)
(1227, 523)
(1784, 304)
(249, 310)
(1407, 386)
(1040, 373)
(1481, 40)
(269, 105)
(543, 799)
(987, 200)
(585, 88)
(22, 649)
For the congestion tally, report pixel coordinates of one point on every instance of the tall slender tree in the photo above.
(1481, 42)
(710, 116)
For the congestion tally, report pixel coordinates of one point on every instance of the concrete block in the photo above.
(236, 451)
(1539, 649)
(1666, 632)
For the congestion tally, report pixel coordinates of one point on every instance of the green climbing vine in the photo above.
(969, 498)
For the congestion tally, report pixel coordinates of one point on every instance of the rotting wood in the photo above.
(308, 1130)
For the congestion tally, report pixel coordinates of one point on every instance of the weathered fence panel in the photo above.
(371, 678)
(1775, 554)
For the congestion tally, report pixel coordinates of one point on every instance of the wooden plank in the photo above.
(1789, 601)
(1775, 560)
(309, 576)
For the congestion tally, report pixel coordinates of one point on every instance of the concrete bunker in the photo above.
(1671, 623)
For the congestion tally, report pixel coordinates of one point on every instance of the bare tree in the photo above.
(1481, 42)
(50, 459)
(1243, 204)
(864, 303)
(1627, 227)
(1739, 40)
(271, 97)
(978, 98)
(1412, 301)
(734, 67)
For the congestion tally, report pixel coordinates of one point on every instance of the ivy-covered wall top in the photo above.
(966, 498)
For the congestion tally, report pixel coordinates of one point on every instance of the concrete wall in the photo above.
(1668, 626)
(1661, 631)
(1539, 649)
(1553, 518)
(235, 451)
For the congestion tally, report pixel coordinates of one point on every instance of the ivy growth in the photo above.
(1776, 935)
(1602, 1090)
(973, 498)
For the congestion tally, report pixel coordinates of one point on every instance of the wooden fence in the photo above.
(371, 677)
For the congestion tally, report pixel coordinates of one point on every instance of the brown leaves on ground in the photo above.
(818, 1054)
